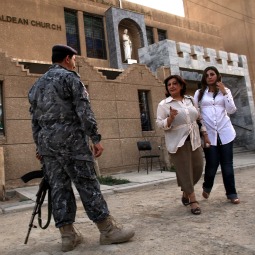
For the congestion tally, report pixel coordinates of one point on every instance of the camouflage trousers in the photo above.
(60, 172)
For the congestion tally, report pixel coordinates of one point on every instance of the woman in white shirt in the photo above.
(216, 102)
(177, 116)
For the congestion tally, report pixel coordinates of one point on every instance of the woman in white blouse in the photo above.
(177, 116)
(216, 102)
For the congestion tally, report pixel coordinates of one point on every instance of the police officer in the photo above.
(62, 123)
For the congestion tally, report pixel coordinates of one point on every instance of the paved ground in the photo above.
(163, 225)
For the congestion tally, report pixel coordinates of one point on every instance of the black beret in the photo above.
(63, 49)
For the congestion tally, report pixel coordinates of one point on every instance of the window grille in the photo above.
(144, 110)
(95, 39)
(72, 31)
(149, 33)
(161, 35)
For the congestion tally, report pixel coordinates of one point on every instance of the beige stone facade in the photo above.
(235, 20)
(28, 36)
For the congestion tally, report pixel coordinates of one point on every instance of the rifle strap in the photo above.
(49, 211)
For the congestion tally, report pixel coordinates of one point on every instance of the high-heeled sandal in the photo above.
(196, 210)
(185, 200)
(235, 201)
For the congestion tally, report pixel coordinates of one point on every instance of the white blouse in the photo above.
(214, 112)
(183, 125)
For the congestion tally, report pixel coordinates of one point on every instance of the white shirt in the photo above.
(214, 113)
(183, 125)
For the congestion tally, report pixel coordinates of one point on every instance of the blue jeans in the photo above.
(223, 155)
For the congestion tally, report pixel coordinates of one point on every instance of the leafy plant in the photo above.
(109, 180)
(169, 169)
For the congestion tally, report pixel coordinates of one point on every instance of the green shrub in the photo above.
(109, 180)
(169, 169)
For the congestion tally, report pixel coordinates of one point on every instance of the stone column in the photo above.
(82, 34)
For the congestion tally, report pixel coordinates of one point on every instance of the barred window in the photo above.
(144, 110)
(72, 31)
(161, 35)
(149, 33)
(95, 39)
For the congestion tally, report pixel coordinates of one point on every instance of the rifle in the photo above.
(40, 196)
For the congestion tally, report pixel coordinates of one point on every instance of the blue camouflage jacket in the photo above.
(62, 119)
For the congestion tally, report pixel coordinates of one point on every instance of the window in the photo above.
(94, 33)
(1, 109)
(72, 32)
(144, 110)
(149, 33)
(161, 35)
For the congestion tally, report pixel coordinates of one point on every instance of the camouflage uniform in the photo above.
(62, 122)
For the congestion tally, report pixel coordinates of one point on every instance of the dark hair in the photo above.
(179, 80)
(167, 93)
(203, 80)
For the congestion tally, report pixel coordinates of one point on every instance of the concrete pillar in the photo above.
(82, 34)
(155, 34)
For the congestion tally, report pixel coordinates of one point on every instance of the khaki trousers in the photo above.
(188, 165)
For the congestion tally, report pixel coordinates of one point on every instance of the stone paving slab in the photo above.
(142, 177)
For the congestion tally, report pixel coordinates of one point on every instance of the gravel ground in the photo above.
(163, 225)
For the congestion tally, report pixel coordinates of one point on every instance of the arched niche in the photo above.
(134, 32)
(116, 21)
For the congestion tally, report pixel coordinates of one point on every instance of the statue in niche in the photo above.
(127, 45)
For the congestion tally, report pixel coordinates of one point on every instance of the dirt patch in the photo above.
(163, 225)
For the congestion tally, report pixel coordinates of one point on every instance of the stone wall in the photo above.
(114, 102)
(17, 143)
